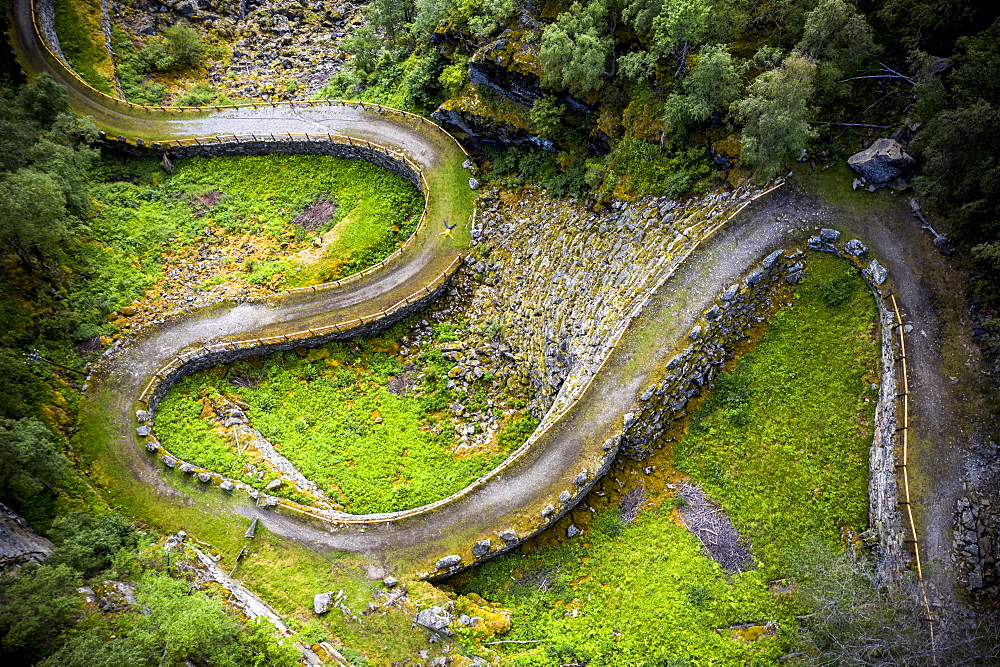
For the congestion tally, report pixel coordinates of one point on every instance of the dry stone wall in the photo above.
(712, 342)
(559, 278)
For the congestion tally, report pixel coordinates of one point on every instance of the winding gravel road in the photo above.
(783, 219)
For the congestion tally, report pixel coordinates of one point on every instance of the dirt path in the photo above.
(784, 218)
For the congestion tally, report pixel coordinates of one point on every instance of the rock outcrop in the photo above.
(882, 162)
(19, 545)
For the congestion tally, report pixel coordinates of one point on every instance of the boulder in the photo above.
(877, 272)
(321, 602)
(473, 184)
(436, 619)
(573, 531)
(772, 259)
(448, 561)
(755, 278)
(828, 235)
(508, 536)
(883, 161)
(564, 497)
(548, 510)
(855, 248)
(581, 478)
(481, 548)
(19, 545)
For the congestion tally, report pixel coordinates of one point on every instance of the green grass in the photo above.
(791, 418)
(330, 412)
(645, 595)
(284, 572)
(143, 214)
(84, 51)
(784, 442)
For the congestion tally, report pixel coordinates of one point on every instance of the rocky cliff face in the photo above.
(19, 545)
(505, 79)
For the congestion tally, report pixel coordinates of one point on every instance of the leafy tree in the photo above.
(30, 460)
(184, 45)
(423, 87)
(37, 606)
(547, 115)
(675, 28)
(712, 86)
(43, 182)
(975, 70)
(485, 16)
(454, 76)
(42, 101)
(179, 624)
(390, 15)
(23, 390)
(95, 648)
(181, 47)
(838, 38)
(775, 116)
(366, 47)
(576, 48)
(960, 174)
(429, 14)
(34, 212)
(87, 543)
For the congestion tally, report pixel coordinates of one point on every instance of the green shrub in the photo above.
(836, 290)
(201, 94)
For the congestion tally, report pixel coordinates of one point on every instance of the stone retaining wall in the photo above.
(719, 333)
(230, 148)
(714, 340)
(208, 359)
(560, 278)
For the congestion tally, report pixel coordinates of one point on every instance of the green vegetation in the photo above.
(83, 45)
(143, 214)
(171, 619)
(582, 601)
(784, 440)
(351, 417)
(180, 48)
(782, 445)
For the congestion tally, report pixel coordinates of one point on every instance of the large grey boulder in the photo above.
(436, 619)
(321, 602)
(448, 561)
(881, 162)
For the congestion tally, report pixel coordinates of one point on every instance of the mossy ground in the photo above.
(373, 428)
(78, 25)
(794, 416)
(230, 226)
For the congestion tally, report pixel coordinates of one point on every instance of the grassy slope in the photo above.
(320, 409)
(792, 468)
(646, 588)
(79, 28)
(144, 215)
